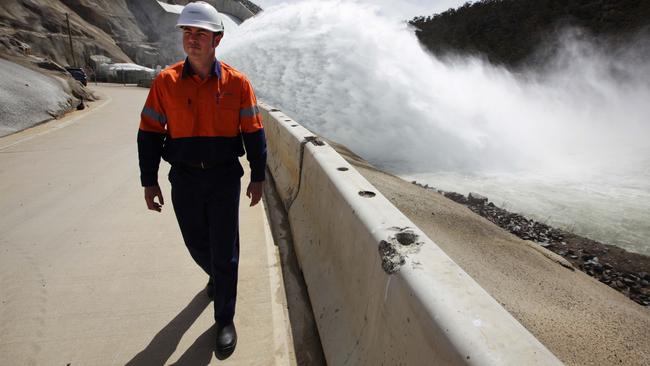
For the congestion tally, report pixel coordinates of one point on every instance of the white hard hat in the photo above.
(201, 15)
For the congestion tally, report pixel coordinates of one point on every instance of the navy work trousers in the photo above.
(206, 203)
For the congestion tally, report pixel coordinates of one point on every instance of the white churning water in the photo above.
(569, 146)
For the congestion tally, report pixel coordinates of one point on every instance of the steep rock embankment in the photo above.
(139, 31)
(30, 97)
(34, 35)
(163, 46)
(35, 47)
(38, 27)
(117, 20)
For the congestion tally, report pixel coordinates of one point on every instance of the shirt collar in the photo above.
(215, 70)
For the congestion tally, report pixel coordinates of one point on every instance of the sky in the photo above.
(403, 9)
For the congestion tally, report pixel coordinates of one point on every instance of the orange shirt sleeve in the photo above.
(153, 118)
(250, 123)
(250, 118)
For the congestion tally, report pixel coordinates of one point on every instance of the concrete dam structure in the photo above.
(382, 292)
(379, 287)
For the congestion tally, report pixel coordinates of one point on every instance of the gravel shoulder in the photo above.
(582, 321)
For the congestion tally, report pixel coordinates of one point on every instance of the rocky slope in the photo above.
(30, 97)
(34, 35)
(38, 27)
(624, 271)
(35, 47)
(124, 30)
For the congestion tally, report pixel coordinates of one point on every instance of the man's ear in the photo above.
(217, 38)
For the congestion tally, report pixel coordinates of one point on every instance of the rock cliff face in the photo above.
(34, 43)
(137, 31)
(38, 27)
(162, 46)
(30, 97)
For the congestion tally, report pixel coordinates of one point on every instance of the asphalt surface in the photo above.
(89, 276)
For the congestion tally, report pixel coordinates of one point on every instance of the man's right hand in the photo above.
(149, 194)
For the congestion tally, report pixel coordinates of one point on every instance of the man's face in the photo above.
(199, 43)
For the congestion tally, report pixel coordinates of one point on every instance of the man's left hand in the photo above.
(254, 192)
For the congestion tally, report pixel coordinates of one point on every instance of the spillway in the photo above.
(565, 146)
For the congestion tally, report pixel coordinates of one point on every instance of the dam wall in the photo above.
(382, 292)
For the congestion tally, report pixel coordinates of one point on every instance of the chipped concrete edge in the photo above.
(381, 290)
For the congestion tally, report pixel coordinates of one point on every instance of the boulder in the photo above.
(477, 199)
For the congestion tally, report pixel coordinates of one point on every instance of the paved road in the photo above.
(88, 276)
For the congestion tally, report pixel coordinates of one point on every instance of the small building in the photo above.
(128, 73)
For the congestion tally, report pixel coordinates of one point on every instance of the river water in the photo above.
(567, 146)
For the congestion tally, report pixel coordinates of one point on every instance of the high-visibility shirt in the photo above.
(187, 119)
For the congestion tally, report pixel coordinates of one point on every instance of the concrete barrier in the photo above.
(289, 139)
(382, 292)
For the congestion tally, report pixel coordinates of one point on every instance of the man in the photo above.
(196, 115)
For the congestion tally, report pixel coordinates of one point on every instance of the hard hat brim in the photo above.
(209, 27)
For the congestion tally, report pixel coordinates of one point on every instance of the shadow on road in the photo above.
(200, 352)
(165, 342)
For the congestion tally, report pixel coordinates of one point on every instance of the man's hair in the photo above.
(213, 33)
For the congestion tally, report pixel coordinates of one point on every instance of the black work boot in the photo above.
(226, 340)
(209, 289)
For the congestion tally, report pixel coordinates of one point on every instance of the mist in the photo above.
(404, 9)
(355, 76)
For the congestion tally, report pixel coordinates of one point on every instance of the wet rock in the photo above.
(623, 271)
(456, 197)
(632, 277)
(477, 199)
(586, 257)
(594, 266)
(598, 268)
(628, 281)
